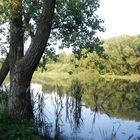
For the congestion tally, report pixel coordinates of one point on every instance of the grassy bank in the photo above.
(51, 78)
(13, 129)
(62, 74)
(59, 73)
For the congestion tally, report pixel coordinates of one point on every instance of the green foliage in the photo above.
(76, 23)
(90, 47)
(123, 54)
(121, 57)
(49, 56)
(4, 12)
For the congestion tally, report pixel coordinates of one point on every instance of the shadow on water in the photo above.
(100, 110)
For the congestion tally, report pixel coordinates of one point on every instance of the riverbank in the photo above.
(64, 77)
(43, 77)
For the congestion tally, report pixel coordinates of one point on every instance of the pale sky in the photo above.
(120, 17)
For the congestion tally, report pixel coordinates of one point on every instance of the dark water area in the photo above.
(98, 110)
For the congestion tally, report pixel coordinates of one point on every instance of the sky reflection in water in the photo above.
(70, 118)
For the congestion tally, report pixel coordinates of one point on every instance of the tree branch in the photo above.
(4, 70)
(35, 51)
(31, 59)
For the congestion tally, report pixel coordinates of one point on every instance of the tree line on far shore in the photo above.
(121, 56)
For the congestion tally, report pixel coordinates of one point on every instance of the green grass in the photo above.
(58, 74)
(51, 78)
(132, 77)
(11, 129)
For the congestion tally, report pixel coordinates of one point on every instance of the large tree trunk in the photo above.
(20, 101)
(16, 36)
(21, 74)
(15, 53)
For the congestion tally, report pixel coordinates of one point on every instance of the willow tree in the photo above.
(74, 22)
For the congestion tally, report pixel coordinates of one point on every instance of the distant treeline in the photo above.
(121, 57)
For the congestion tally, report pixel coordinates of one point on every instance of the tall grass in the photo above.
(13, 129)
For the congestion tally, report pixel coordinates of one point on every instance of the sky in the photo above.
(120, 17)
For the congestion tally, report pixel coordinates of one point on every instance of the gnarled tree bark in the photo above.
(21, 74)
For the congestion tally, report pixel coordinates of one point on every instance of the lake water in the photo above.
(98, 110)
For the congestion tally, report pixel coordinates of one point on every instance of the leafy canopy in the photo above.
(75, 22)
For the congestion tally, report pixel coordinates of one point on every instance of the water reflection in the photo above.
(58, 106)
(75, 105)
(96, 110)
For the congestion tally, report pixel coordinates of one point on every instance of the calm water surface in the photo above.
(99, 110)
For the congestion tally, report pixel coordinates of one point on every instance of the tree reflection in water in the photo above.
(74, 105)
(73, 108)
(111, 98)
(58, 106)
(38, 103)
